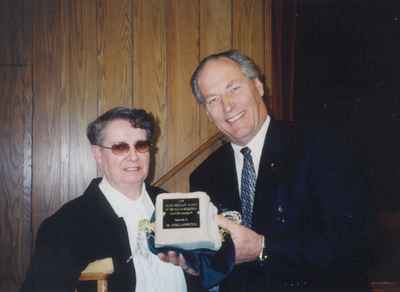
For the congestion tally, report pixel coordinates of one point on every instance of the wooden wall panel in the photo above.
(82, 92)
(180, 181)
(215, 36)
(66, 88)
(248, 29)
(114, 34)
(15, 174)
(182, 55)
(268, 45)
(150, 69)
(15, 33)
(50, 121)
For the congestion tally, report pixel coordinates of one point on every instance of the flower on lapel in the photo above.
(146, 227)
(235, 217)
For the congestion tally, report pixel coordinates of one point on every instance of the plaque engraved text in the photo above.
(181, 213)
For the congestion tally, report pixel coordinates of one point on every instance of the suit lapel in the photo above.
(272, 156)
(226, 180)
(271, 172)
(153, 192)
(114, 225)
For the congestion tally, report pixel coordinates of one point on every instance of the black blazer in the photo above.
(83, 230)
(310, 205)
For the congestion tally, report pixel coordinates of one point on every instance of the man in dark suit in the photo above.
(103, 222)
(301, 195)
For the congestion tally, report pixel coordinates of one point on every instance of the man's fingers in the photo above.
(162, 257)
(170, 257)
(192, 272)
(178, 260)
(182, 261)
(173, 258)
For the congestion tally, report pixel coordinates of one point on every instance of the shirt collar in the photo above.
(256, 144)
(121, 204)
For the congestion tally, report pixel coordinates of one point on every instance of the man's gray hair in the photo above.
(247, 66)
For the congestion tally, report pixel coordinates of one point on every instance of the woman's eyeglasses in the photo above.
(123, 148)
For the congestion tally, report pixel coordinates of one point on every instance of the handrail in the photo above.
(188, 159)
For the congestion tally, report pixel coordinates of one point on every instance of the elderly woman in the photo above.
(103, 222)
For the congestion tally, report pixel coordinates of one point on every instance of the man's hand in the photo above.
(173, 258)
(248, 244)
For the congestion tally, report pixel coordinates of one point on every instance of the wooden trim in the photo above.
(102, 286)
(100, 278)
(94, 276)
(384, 286)
(188, 159)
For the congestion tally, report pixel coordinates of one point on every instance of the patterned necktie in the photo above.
(247, 187)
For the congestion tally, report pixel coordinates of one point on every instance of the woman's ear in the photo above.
(96, 153)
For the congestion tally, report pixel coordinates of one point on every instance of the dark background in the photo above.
(347, 75)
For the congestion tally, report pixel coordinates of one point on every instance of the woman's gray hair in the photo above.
(247, 66)
(138, 118)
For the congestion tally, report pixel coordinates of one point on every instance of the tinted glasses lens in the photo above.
(142, 146)
(120, 148)
(124, 148)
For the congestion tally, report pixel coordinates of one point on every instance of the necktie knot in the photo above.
(245, 151)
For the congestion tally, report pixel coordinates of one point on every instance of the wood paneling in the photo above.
(182, 54)
(150, 70)
(180, 181)
(114, 35)
(15, 31)
(283, 16)
(215, 36)
(15, 174)
(66, 86)
(82, 92)
(247, 35)
(268, 46)
(50, 185)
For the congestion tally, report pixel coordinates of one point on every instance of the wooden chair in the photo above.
(385, 286)
(98, 271)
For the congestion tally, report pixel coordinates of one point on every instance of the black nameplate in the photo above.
(181, 213)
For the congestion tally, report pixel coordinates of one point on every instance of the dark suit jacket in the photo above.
(309, 204)
(83, 230)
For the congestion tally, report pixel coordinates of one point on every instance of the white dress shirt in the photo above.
(152, 275)
(256, 145)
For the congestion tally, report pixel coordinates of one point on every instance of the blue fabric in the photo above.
(212, 266)
(248, 186)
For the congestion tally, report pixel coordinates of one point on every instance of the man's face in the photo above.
(232, 101)
(127, 171)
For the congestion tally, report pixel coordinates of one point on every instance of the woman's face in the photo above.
(128, 171)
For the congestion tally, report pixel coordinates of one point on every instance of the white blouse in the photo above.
(152, 275)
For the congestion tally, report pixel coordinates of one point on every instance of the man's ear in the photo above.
(259, 86)
(210, 118)
(208, 114)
